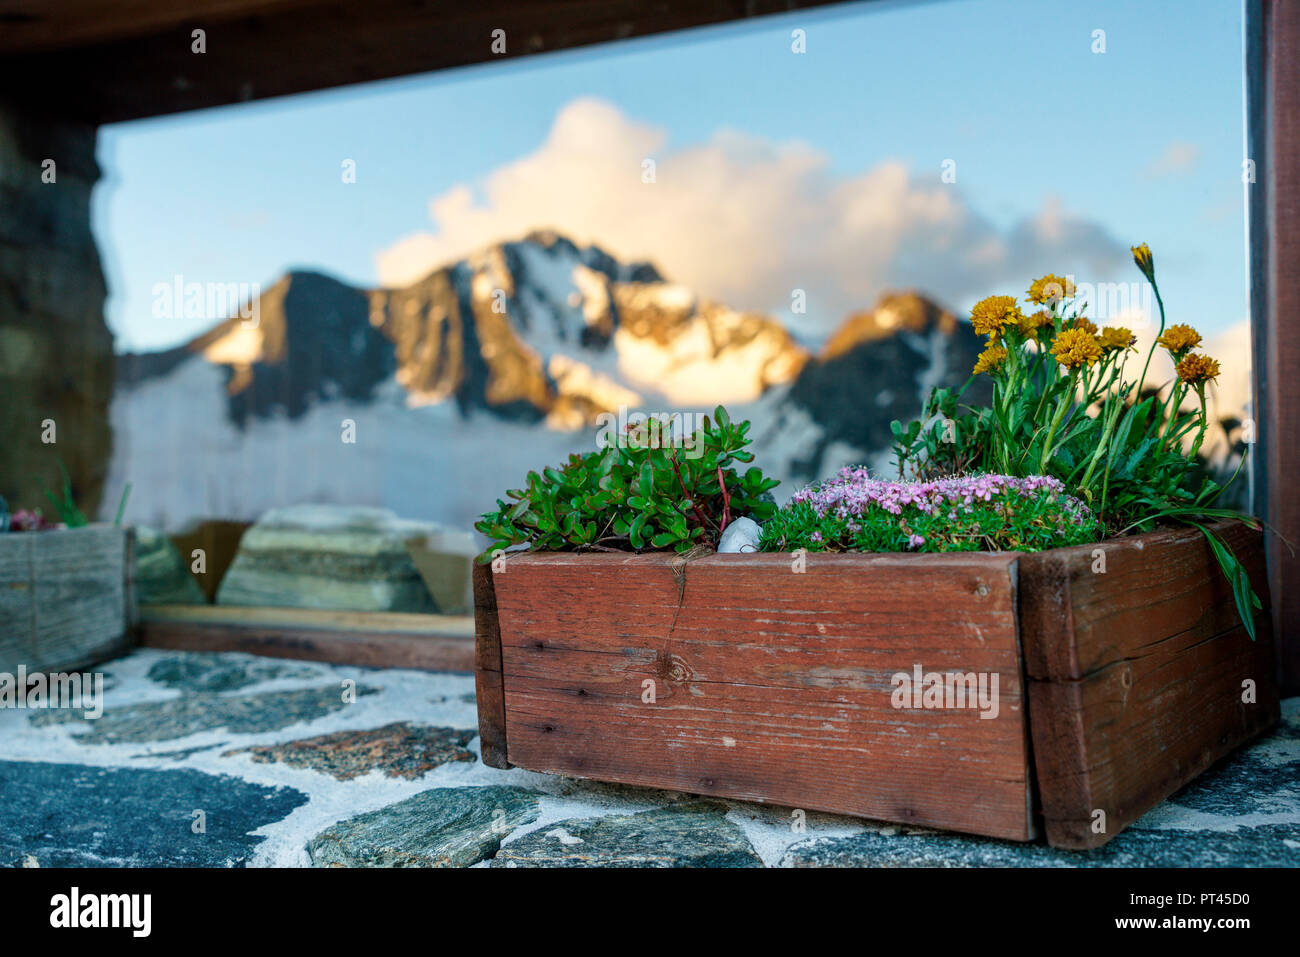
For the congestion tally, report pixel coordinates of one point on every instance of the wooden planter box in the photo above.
(66, 598)
(738, 676)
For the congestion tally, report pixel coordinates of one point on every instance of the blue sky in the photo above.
(1140, 143)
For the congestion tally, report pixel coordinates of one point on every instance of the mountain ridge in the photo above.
(499, 362)
(493, 331)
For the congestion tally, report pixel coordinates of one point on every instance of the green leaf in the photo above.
(1243, 593)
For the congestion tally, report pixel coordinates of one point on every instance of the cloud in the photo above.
(747, 221)
(1177, 158)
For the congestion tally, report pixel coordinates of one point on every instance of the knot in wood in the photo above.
(674, 668)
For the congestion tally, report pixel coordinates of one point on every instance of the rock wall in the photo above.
(56, 353)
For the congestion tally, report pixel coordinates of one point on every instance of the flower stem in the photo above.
(1200, 436)
(1066, 396)
(1161, 303)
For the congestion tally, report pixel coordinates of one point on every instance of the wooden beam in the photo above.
(32, 26)
(280, 48)
(1273, 144)
(366, 639)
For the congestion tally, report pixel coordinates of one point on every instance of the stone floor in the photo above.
(230, 760)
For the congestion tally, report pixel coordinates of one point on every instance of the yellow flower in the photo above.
(1050, 289)
(1076, 347)
(1180, 339)
(990, 316)
(1117, 337)
(990, 359)
(1084, 323)
(1142, 257)
(1197, 368)
(1031, 325)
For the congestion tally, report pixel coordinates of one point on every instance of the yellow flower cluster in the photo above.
(1080, 342)
(990, 316)
(1196, 368)
(990, 359)
(1117, 337)
(1180, 340)
(1076, 347)
(1050, 289)
(1031, 326)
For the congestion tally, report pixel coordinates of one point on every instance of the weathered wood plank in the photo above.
(487, 671)
(17, 606)
(324, 619)
(370, 640)
(1273, 150)
(770, 685)
(1136, 674)
(66, 603)
(264, 48)
(1153, 586)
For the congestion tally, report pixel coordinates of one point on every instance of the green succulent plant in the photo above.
(651, 489)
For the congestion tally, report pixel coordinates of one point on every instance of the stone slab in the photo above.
(441, 827)
(71, 815)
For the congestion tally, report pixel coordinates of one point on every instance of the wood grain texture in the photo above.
(17, 605)
(65, 604)
(1135, 673)
(106, 68)
(770, 685)
(365, 639)
(488, 687)
(1273, 126)
(59, 24)
(317, 619)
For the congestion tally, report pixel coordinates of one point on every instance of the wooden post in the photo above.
(1273, 137)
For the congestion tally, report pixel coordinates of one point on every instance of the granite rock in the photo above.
(161, 575)
(218, 671)
(71, 815)
(1276, 845)
(399, 750)
(1245, 811)
(326, 556)
(441, 827)
(201, 711)
(694, 834)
